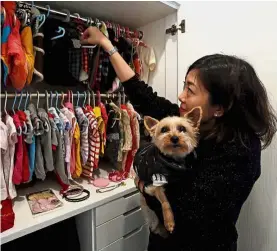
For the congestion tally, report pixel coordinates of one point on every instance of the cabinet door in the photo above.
(164, 79)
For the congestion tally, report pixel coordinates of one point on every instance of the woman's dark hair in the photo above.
(234, 85)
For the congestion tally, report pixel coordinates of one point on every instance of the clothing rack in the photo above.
(54, 94)
(87, 20)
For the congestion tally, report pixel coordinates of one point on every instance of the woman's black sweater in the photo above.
(207, 201)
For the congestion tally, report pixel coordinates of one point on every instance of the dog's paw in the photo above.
(168, 220)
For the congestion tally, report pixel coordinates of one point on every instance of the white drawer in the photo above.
(118, 227)
(117, 207)
(135, 241)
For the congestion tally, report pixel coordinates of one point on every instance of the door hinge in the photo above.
(173, 29)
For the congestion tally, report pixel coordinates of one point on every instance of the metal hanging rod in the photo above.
(87, 20)
(43, 95)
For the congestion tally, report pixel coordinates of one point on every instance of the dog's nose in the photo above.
(174, 139)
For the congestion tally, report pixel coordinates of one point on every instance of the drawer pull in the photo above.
(131, 211)
(130, 194)
(133, 232)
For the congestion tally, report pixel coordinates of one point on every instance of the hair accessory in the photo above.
(73, 192)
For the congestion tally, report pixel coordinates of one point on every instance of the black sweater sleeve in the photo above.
(146, 101)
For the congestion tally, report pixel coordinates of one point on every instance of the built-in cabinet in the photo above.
(118, 225)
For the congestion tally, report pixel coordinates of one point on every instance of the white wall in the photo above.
(249, 30)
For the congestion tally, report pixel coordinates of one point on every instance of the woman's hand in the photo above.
(139, 184)
(94, 36)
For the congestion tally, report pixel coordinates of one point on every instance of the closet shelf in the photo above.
(133, 14)
(25, 223)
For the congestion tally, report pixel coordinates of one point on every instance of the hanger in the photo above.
(88, 98)
(26, 100)
(85, 98)
(48, 10)
(78, 96)
(62, 100)
(37, 99)
(51, 98)
(5, 103)
(68, 96)
(108, 98)
(20, 100)
(41, 18)
(14, 101)
(25, 16)
(60, 30)
(18, 108)
(93, 99)
(67, 19)
(57, 97)
(46, 96)
(71, 96)
(3, 11)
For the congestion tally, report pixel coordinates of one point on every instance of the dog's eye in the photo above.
(164, 129)
(182, 129)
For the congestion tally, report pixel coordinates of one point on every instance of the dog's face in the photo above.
(175, 136)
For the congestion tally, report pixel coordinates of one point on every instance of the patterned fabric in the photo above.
(83, 124)
(12, 55)
(75, 62)
(105, 63)
(85, 58)
(101, 128)
(94, 143)
(97, 81)
(21, 10)
(90, 56)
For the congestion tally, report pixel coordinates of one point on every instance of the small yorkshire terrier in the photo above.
(161, 162)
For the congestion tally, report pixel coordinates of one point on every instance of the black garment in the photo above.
(150, 161)
(113, 137)
(207, 201)
(58, 62)
(126, 50)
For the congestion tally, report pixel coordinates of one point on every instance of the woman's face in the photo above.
(194, 94)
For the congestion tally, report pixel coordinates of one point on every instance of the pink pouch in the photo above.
(101, 182)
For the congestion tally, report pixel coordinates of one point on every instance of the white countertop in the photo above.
(26, 223)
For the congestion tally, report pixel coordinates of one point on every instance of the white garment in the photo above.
(9, 156)
(148, 61)
(4, 147)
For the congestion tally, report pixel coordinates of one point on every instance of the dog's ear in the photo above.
(195, 116)
(150, 124)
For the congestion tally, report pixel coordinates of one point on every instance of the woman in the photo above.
(237, 117)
